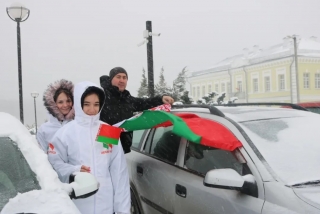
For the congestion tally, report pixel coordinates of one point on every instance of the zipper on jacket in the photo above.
(93, 162)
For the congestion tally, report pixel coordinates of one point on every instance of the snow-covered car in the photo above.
(276, 170)
(28, 184)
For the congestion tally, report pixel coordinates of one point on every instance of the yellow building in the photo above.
(268, 75)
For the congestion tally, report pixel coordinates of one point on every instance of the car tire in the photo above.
(134, 204)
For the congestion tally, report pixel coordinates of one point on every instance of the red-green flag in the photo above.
(108, 135)
(190, 126)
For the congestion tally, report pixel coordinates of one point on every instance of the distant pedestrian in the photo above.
(120, 105)
(58, 100)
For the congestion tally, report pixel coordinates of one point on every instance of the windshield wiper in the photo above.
(305, 183)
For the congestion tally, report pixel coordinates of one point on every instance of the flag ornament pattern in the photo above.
(108, 135)
(164, 107)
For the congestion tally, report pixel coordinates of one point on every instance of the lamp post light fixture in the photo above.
(19, 13)
(147, 34)
(35, 95)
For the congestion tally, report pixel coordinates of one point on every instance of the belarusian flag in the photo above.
(108, 135)
(190, 126)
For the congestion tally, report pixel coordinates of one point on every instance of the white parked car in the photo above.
(28, 184)
(276, 170)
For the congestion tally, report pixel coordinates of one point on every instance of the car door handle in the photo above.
(140, 170)
(181, 191)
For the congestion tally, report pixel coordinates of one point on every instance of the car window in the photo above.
(201, 159)
(164, 144)
(314, 109)
(137, 135)
(15, 173)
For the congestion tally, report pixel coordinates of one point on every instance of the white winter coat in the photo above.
(74, 145)
(47, 130)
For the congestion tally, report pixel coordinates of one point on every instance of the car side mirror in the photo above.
(223, 179)
(230, 179)
(83, 185)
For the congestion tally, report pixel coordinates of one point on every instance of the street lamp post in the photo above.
(296, 65)
(35, 95)
(294, 37)
(19, 13)
(147, 34)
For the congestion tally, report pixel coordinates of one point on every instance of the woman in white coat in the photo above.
(58, 100)
(75, 149)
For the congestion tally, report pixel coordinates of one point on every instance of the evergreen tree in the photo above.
(200, 102)
(185, 98)
(212, 94)
(161, 87)
(143, 90)
(179, 85)
(207, 99)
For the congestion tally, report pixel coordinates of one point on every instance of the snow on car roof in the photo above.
(11, 127)
(247, 113)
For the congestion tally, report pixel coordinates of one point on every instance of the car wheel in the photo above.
(134, 204)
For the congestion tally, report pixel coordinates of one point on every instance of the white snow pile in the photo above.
(52, 190)
(37, 159)
(177, 103)
(41, 202)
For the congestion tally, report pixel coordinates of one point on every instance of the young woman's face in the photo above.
(64, 103)
(91, 104)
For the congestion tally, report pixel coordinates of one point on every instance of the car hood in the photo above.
(41, 201)
(309, 194)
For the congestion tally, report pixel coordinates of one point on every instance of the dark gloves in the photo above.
(126, 141)
(105, 81)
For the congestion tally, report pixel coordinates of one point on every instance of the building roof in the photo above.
(306, 47)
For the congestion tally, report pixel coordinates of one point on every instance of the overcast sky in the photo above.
(82, 40)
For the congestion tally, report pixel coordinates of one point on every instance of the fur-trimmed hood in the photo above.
(49, 102)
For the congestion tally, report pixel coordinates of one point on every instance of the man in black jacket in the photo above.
(120, 105)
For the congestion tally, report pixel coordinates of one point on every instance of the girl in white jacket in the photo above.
(58, 99)
(75, 149)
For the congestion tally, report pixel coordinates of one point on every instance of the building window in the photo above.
(217, 88)
(255, 85)
(193, 91)
(267, 84)
(281, 82)
(239, 86)
(223, 87)
(228, 87)
(203, 90)
(209, 89)
(317, 79)
(198, 91)
(306, 80)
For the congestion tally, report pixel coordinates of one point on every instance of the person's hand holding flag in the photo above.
(167, 100)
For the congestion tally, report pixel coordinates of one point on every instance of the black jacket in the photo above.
(119, 106)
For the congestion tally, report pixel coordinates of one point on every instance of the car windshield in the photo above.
(15, 173)
(289, 145)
